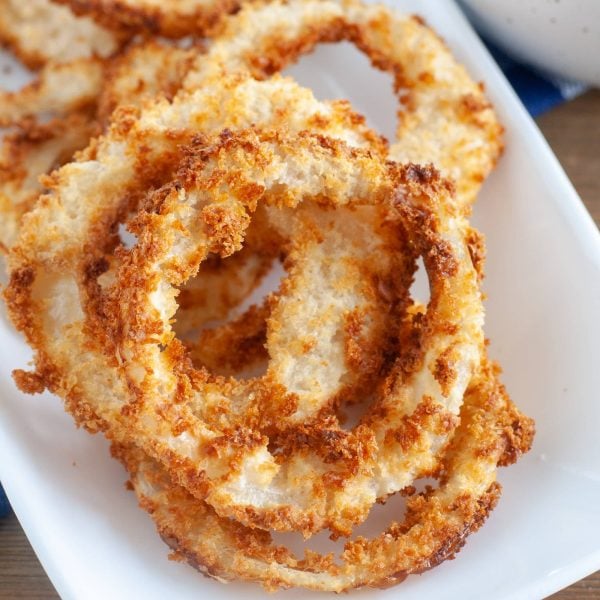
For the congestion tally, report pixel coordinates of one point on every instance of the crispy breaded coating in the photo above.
(170, 18)
(39, 31)
(79, 98)
(433, 529)
(57, 91)
(28, 153)
(143, 71)
(444, 117)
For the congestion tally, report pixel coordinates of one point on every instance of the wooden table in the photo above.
(573, 131)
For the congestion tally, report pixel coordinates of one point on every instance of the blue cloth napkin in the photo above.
(4, 505)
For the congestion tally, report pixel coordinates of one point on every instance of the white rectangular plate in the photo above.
(543, 316)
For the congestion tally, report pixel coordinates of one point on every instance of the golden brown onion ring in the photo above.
(26, 154)
(462, 350)
(39, 32)
(492, 432)
(444, 117)
(305, 373)
(57, 91)
(108, 165)
(170, 18)
(116, 172)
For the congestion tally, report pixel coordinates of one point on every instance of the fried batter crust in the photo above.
(170, 18)
(444, 117)
(28, 152)
(434, 528)
(40, 32)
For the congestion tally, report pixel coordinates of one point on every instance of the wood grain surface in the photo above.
(573, 131)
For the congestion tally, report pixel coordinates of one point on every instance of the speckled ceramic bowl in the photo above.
(560, 37)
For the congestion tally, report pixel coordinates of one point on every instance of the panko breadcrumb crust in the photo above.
(29, 151)
(434, 529)
(447, 352)
(79, 97)
(169, 18)
(437, 99)
(39, 31)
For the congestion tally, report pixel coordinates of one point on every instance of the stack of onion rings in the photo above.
(218, 166)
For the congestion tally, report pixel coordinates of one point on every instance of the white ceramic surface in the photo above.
(543, 316)
(560, 37)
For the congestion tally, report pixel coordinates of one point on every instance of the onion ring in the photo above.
(57, 91)
(425, 399)
(437, 98)
(174, 19)
(465, 354)
(25, 154)
(492, 432)
(287, 103)
(39, 31)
